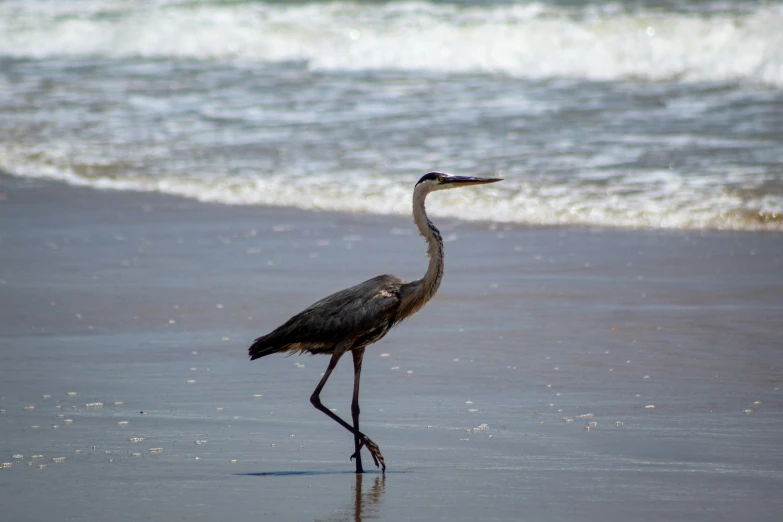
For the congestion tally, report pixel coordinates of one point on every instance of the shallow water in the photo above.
(631, 114)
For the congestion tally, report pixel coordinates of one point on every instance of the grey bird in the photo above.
(352, 319)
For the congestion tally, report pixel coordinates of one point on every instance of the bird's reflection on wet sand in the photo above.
(364, 505)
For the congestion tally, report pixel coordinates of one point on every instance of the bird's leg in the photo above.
(315, 400)
(360, 439)
(358, 355)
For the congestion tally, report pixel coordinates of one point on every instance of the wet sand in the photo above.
(113, 304)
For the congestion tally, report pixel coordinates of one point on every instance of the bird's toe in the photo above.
(374, 450)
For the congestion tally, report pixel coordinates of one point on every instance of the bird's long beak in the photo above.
(465, 181)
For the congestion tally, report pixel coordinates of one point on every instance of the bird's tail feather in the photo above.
(262, 347)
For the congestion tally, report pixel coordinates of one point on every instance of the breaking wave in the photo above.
(532, 40)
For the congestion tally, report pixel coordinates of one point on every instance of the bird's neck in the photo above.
(422, 290)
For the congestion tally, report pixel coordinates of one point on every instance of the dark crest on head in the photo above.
(431, 176)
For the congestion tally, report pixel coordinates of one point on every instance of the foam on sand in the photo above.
(660, 199)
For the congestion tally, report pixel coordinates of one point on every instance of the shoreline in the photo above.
(189, 194)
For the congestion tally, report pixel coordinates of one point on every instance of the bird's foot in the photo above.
(372, 447)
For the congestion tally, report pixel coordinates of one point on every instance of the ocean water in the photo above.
(652, 114)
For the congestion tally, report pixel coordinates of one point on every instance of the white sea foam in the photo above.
(529, 40)
(661, 199)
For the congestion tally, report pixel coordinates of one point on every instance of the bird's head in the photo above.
(440, 181)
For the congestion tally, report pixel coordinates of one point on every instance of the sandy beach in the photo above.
(560, 373)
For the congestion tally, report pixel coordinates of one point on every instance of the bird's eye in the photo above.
(441, 179)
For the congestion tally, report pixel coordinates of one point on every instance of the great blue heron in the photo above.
(352, 319)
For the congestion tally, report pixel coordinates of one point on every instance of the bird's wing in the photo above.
(352, 311)
(362, 312)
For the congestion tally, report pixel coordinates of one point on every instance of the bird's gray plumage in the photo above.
(361, 315)
(352, 319)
